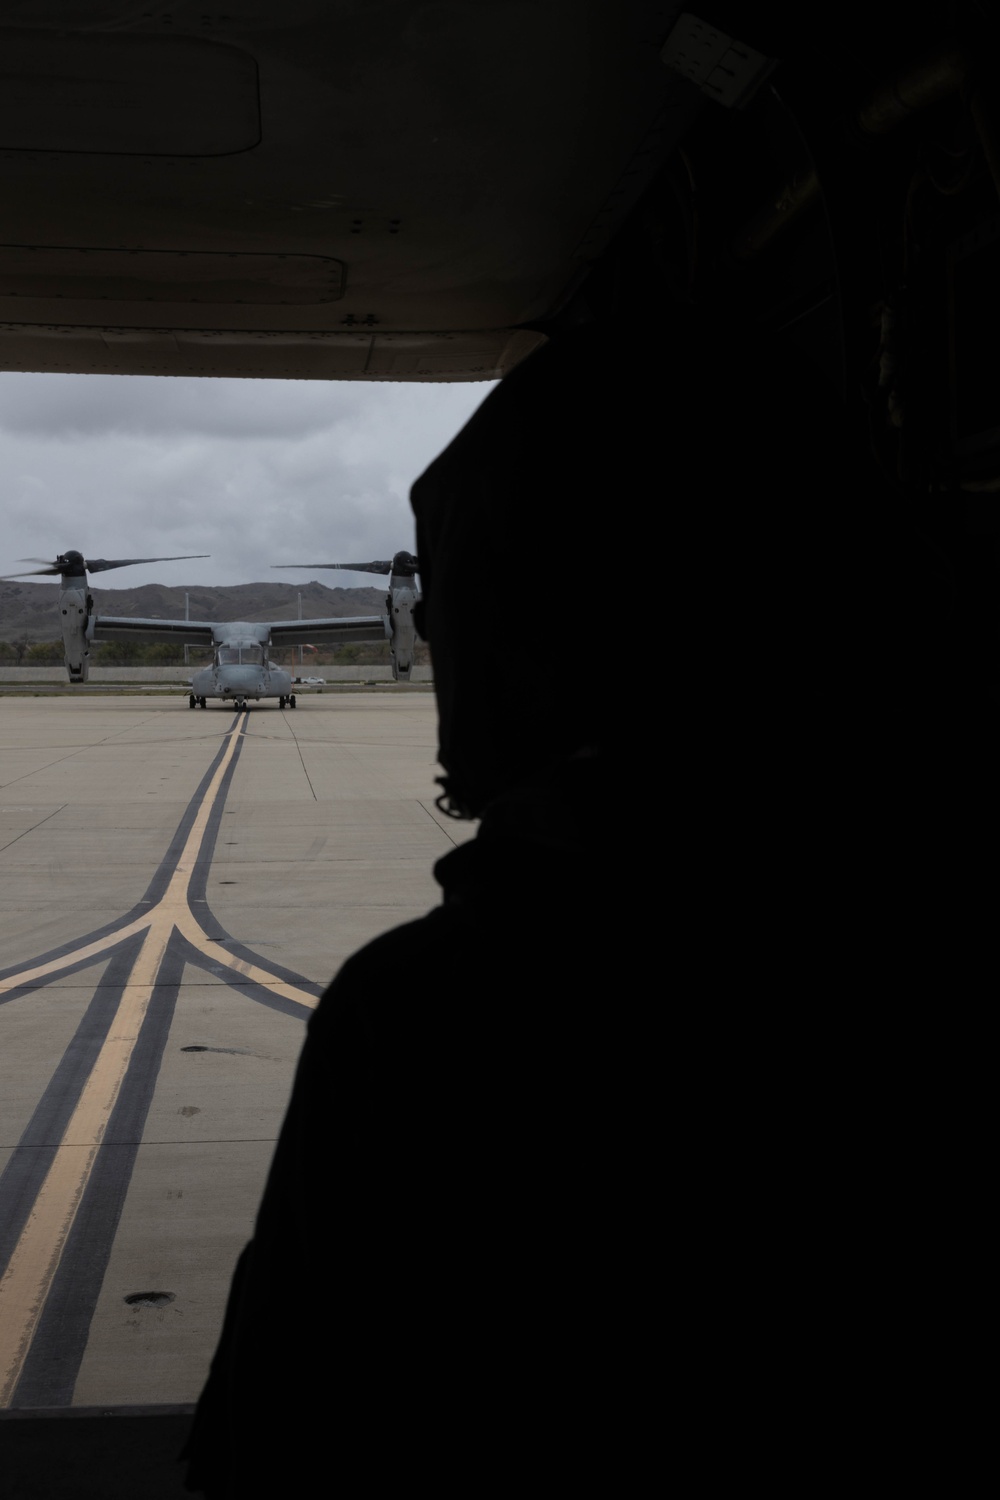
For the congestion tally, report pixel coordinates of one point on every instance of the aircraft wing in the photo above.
(181, 632)
(336, 631)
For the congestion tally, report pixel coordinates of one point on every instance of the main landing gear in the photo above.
(290, 700)
(194, 702)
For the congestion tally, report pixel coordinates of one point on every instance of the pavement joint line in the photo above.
(33, 1264)
(79, 749)
(47, 767)
(303, 760)
(24, 831)
(439, 825)
(194, 1142)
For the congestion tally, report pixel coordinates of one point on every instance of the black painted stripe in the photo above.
(198, 884)
(209, 923)
(22, 1177)
(73, 943)
(53, 1363)
(249, 987)
(197, 889)
(84, 963)
(161, 879)
(57, 1348)
(247, 955)
(157, 886)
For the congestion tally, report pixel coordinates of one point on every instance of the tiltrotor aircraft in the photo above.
(240, 669)
(401, 600)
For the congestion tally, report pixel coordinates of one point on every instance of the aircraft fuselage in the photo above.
(240, 672)
(242, 682)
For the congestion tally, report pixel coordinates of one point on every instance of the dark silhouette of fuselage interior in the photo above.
(637, 1102)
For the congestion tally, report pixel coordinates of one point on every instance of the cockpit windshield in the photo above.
(248, 656)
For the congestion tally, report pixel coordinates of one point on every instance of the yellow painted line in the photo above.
(36, 1256)
(35, 1260)
(192, 844)
(190, 929)
(65, 960)
(175, 893)
(175, 900)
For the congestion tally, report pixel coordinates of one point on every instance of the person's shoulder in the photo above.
(391, 975)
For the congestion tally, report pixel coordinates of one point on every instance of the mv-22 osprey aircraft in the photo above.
(240, 670)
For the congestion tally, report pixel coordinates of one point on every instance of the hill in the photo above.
(32, 608)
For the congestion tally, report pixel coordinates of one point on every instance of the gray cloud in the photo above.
(253, 472)
(69, 407)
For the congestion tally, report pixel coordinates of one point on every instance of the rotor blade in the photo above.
(102, 564)
(34, 573)
(369, 567)
(98, 565)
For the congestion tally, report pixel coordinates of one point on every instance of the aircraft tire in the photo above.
(192, 700)
(281, 700)
(291, 701)
(201, 703)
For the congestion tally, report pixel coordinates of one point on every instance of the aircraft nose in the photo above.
(240, 679)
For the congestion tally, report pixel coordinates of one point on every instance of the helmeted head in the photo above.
(634, 522)
(511, 522)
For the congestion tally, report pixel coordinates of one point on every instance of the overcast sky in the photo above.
(253, 472)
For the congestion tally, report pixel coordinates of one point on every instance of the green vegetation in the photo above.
(15, 651)
(23, 651)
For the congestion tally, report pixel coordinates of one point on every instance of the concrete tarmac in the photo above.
(176, 889)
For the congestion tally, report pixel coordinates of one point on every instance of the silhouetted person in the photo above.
(546, 1144)
(423, 1294)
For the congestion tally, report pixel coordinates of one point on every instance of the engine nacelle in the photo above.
(75, 606)
(402, 632)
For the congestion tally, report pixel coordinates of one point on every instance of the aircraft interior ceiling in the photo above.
(310, 189)
(421, 191)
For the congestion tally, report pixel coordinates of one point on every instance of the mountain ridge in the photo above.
(33, 608)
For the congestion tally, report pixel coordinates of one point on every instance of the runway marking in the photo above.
(35, 1258)
(173, 906)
